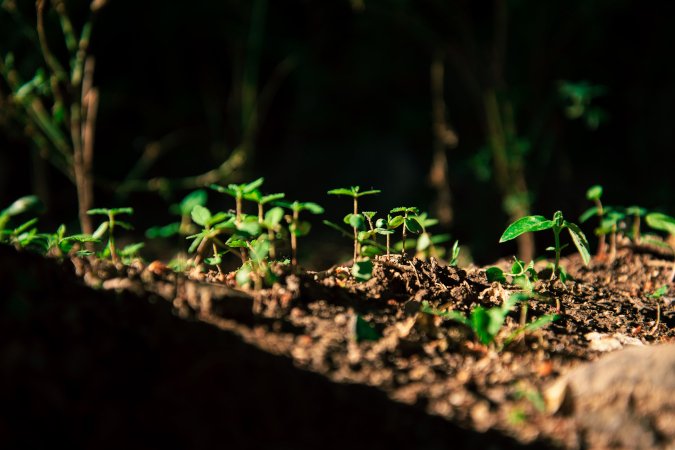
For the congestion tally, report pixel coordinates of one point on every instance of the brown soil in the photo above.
(283, 367)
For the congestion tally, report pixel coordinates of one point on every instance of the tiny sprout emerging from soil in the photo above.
(213, 225)
(239, 191)
(296, 227)
(609, 225)
(426, 245)
(410, 222)
(487, 323)
(256, 270)
(557, 224)
(60, 245)
(593, 194)
(663, 222)
(454, 254)
(388, 226)
(354, 219)
(110, 225)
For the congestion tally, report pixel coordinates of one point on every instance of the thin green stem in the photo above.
(356, 233)
(556, 234)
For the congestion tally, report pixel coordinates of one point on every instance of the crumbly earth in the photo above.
(434, 365)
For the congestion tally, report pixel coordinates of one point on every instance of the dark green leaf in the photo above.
(273, 217)
(362, 270)
(480, 321)
(524, 225)
(579, 240)
(166, 231)
(413, 225)
(355, 221)
(495, 274)
(363, 331)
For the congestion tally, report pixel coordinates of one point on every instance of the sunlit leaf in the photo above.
(524, 225)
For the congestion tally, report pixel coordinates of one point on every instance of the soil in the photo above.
(97, 356)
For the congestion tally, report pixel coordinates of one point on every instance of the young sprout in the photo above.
(557, 224)
(410, 222)
(58, 244)
(213, 225)
(455, 254)
(267, 221)
(593, 194)
(184, 211)
(110, 225)
(238, 191)
(426, 242)
(296, 227)
(663, 222)
(354, 219)
(256, 269)
(609, 225)
(388, 226)
(261, 200)
(636, 212)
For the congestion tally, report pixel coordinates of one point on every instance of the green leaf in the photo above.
(126, 210)
(362, 270)
(195, 198)
(301, 228)
(370, 251)
(100, 231)
(260, 248)
(81, 238)
(451, 315)
(413, 225)
(273, 217)
(660, 292)
(166, 231)
(662, 222)
(338, 228)
(363, 331)
(480, 322)
(594, 192)
(243, 276)
(98, 211)
(355, 221)
(214, 260)
(132, 249)
(343, 191)
(590, 212)
(579, 240)
(312, 207)
(271, 198)
(541, 322)
(198, 238)
(369, 214)
(395, 222)
(125, 225)
(371, 192)
(249, 228)
(525, 225)
(253, 185)
(423, 242)
(224, 190)
(495, 274)
(21, 205)
(380, 223)
(636, 211)
(200, 215)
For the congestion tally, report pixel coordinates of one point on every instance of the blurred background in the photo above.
(476, 111)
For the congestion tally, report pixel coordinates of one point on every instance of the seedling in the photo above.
(19, 206)
(388, 226)
(454, 254)
(636, 213)
(110, 225)
(60, 245)
(355, 219)
(296, 227)
(213, 225)
(256, 269)
(486, 324)
(131, 252)
(593, 194)
(521, 275)
(239, 191)
(663, 222)
(557, 224)
(184, 210)
(23, 236)
(426, 245)
(609, 225)
(410, 222)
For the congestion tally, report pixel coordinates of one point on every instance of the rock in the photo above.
(624, 400)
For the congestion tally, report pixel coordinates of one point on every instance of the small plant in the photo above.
(60, 245)
(388, 226)
(410, 222)
(454, 252)
(239, 192)
(486, 324)
(521, 275)
(256, 269)
(636, 213)
(213, 225)
(557, 224)
(355, 219)
(109, 226)
(296, 227)
(426, 245)
(609, 225)
(663, 222)
(184, 211)
(593, 194)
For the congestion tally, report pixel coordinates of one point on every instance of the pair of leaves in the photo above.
(353, 192)
(239, 190)
(537, 223)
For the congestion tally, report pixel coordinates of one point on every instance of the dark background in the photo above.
(355, 108)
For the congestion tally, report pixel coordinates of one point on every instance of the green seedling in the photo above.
(355, 219)
(24, 236)
(454, 254)
(213, 225)
(410, 222)
(557, 224)
(636, 213)
(61, 245)
(656, 295)
(486, 324)
(663, 222)
(521, 275)
(184, 211)
(426, 245)
(610, 225)
(261, 200)
(593, 194)
(256, 269)
(131, 252)
(239, 191)
(296, 227)
(388, 226)
(110, 225)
